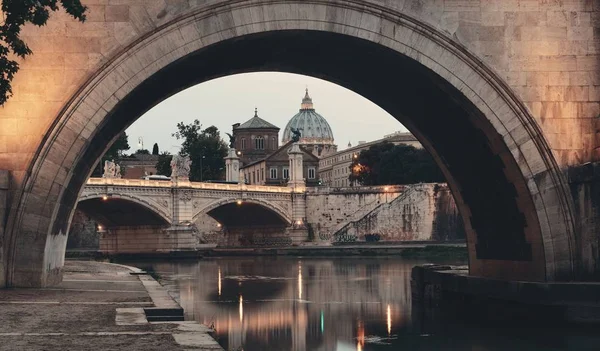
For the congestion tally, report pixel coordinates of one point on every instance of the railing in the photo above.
(187, 184)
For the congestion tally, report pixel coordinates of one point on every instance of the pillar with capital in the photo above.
(232, 166)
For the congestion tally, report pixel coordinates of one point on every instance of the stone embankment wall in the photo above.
(329, 209)
(146, 239)
(423, 212)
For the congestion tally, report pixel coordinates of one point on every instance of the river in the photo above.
(334, 304)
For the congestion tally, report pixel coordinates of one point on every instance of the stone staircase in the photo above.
(340, 234)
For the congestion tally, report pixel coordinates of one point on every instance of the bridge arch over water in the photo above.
(123, 210)
(227, 212)
(501, 169)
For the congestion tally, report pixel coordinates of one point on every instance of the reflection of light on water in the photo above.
(322, 322)
(219, 281)
(241, 308)
(389, 319)
(360, 336)
(299, 281)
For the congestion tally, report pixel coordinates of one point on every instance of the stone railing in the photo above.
(187, 184)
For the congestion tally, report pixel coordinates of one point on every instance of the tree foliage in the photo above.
(163, 165)
(114, 152)
(17, 13)
(142, 152)
(387, 163)
(155, 149)
(206, 149)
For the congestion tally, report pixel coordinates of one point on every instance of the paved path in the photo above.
(97, 306)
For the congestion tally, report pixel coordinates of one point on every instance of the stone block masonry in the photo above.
(423, 212)
(4, 182)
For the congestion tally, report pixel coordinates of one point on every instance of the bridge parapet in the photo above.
(193, 185)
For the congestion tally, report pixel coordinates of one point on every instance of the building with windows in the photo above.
(275, 168)
(334, 169)
(316, 135)
(255, 139)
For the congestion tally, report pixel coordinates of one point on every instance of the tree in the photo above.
(142, 152)
(17, 13)
(114, 152)
(163, 165)
(394, 164)
(205, 148)
(155, 149)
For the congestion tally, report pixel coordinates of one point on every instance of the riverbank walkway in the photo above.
(98, 306)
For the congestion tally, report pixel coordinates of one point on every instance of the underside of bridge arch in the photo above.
(246, 214)
(118, 212)
(497, 163)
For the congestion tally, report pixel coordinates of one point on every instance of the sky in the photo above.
(225, 101)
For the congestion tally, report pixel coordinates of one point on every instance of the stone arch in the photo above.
(520, 161)
(268, 205)
(150, 205)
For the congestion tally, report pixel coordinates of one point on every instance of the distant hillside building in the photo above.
(275, 168)
(334, 169)
(137, 166)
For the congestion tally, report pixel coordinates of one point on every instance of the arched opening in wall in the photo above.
(250, 224)
(475, 159)
(494, 169)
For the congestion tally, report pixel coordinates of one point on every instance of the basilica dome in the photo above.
(314, 129)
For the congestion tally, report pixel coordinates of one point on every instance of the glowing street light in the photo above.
(239, 202)
(104, 197)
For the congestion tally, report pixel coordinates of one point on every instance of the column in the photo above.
(296, 169)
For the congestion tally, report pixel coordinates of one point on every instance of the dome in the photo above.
(313, 127)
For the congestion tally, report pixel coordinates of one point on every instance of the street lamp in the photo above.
(201, 158)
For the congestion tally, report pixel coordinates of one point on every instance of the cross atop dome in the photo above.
(307, 103)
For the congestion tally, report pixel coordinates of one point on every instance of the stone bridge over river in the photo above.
(148, 216)
(505, 94)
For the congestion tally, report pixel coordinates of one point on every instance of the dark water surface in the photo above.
(336, 304)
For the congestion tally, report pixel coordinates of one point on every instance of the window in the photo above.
(243, 143)
(253, 177)
(311, 173)
(286, 173)
(262, 174)
(273, 173)
(259, 143)
(273, 144)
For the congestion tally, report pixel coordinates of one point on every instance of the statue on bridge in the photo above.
(111, 170)
(180, 168)
(231, 140)
(297, 134)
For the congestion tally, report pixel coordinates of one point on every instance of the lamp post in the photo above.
(141, 147)
(201, 158)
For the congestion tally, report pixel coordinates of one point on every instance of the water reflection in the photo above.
(334, 305)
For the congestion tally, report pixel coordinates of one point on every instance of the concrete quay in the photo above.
(98, 306)
(452, 291)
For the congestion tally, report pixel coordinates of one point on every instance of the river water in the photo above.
(334, 304)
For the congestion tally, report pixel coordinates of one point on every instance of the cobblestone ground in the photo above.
(79, 314)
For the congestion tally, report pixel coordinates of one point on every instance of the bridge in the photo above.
(504, 94)
(164, 216)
